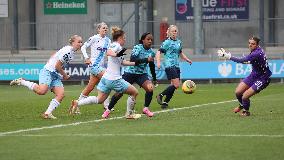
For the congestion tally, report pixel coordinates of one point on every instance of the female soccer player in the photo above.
(138, 74)
(172, 49)
(258, 79)
(112, 79)
(51, 75)
(99, 44)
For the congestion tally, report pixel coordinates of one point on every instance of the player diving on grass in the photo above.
(139, 73)
(50, 77)
(258, 79)
(112, 79)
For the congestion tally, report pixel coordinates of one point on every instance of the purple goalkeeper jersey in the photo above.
(258, 60)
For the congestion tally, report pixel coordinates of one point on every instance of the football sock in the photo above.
(168, 90)
(130, 104)
(114, 100)
(52, 105)
(106, 102)
(239, 97)
(170, 94)
(28, 84)
(82, 96)
(246, 104)
(148, 98)
(88, 100)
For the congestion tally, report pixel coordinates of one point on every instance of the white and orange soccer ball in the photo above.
(188, 87)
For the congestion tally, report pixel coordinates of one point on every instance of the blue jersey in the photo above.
(171, 49)
(139, 52)
(258, 60)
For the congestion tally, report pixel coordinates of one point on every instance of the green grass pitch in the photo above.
(197, 126)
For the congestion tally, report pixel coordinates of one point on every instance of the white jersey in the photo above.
(65, 55)
(113, 71)
(99, 46)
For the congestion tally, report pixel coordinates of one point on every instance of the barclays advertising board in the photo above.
(198, 70)
(226, 69)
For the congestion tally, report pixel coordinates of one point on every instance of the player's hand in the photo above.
(66, 77)
(222, 54)
(121, 53)
(189, 61)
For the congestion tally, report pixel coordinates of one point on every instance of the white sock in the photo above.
(28, 84)
(88, 100)
(106, 102)
(130, 104)
(82, 96)
(52, 105)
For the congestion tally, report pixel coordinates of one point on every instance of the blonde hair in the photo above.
(99, 25)
(72, 38)
(116, 32)
(168, 30)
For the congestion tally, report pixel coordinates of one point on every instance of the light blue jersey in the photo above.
(171, 49)
(99, 46)
(139, 52)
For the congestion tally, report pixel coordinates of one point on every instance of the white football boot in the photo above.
(16, 82)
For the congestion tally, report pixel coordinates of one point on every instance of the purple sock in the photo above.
(239, 97)
(246, 104)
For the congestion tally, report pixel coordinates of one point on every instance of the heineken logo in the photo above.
(65, 5)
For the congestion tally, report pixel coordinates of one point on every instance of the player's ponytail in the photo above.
(116, 32)
(72, 38)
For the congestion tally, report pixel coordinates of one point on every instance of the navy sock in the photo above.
(246, 104)
(239, 97)
(114, 100)
(148, 98)
(171, 91)
(167, 90)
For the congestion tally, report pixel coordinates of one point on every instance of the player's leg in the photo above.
(241, 88)
(131, 101)
(257, 86)
(173, 74)
(89, 87)
(55, 102)
(148, 86)
(92, 99)
(130, 78)
(246, 101)
(122, 86)
(44, 82)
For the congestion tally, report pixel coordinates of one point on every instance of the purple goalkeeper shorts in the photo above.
(257, 83)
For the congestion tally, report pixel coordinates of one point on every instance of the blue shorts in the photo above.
(135, 78)
(95, 70)
(52, 79)
(172, 73)
(257, 83)
(106, 86)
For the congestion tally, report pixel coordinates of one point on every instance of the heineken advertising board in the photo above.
(65, 6)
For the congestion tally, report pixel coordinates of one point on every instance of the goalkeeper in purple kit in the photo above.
(258, 79)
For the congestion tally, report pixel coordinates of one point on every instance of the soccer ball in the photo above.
(188, 87)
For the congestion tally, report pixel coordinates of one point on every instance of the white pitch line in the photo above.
(99, 120)
(149, 135)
